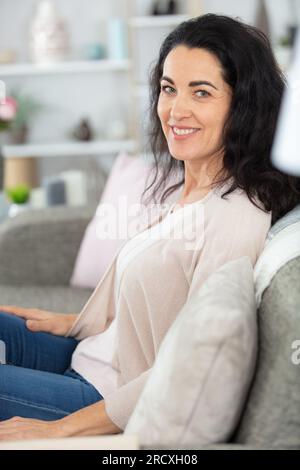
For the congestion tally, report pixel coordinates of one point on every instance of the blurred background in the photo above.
(74, 84)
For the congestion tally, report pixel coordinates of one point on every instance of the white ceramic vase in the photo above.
(15, 209)
(48, 36)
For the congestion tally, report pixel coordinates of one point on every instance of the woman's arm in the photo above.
(42, 320)
(89, 421)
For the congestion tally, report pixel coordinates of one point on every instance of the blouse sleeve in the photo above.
(120, 404)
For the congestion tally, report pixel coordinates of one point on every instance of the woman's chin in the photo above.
(181, 156)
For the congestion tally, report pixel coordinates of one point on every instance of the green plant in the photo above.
(27, 107)
(285, 41)
(19, 194)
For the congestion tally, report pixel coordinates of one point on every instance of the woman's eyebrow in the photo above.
(191, 84)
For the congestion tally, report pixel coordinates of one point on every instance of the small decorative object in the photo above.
(19, 196)
(16, 111)
(164, 7)
(117, 39)
(8, 111)
(76, 187)
(49, 39)
(38, 198)
(83, 131)
(55, 191)
(8, 56)
(94, 51)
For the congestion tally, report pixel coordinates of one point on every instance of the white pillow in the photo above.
(196, 390)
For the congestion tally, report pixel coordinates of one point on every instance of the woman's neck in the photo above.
(199, 178)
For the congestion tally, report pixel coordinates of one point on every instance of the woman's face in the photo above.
(193, 104)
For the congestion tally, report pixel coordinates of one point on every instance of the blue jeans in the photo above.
(37, 381)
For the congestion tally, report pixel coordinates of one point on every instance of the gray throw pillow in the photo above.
(196, 390)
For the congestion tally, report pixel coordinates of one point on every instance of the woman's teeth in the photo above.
(183, 131)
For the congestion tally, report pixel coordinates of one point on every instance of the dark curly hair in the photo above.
(257, 83)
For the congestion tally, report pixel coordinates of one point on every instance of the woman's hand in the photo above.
(89, 421)
(17, 428)
(42, 320)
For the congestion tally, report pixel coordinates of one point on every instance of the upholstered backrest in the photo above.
(272, 413)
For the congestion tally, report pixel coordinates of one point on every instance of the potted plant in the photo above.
(27, 108)
(19, 196)
(8, 111)
(16, 112)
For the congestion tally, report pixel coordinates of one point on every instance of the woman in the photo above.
(216, 93)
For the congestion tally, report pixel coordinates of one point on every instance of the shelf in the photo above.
(157, 21)
(19, 69)
(69, 149)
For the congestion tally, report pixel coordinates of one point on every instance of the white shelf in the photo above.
(157, 21)
(19, 69)
(68, 149)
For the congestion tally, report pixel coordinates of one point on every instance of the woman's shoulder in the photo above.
(238, 203)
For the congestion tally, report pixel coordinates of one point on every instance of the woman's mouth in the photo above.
(181, 133)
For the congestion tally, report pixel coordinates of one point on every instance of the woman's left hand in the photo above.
(26, 428)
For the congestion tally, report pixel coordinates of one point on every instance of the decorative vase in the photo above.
(15, 209)
(49, 40)
(5, 137)
(19, 135)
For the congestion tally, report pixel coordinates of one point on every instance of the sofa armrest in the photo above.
(107, 442)
(226, 446)
(39, 247)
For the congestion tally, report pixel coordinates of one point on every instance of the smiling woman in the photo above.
(216, 92)
(215, 96)
(193, 106)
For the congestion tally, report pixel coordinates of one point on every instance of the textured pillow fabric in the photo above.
(292, 217)
(127, 178)
(196, 390)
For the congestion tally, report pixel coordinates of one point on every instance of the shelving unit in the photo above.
(68, 149)
(96, 66)
(113, 85)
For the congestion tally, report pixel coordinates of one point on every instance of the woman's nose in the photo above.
(180, 108)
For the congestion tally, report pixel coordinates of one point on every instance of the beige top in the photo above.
(154, 286)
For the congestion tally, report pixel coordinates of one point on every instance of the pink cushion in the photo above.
(127, 178)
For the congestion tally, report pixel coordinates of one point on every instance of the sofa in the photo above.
(37, 254)
(38, 249)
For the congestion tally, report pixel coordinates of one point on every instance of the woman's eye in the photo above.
(202, 93)
(167, 89)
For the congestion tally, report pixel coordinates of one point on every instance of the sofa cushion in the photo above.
(126, 180)
(271, 416)
(54, 298)
(281, 248)
(197, 387)
(290, 218)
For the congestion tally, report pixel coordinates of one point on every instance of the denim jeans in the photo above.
(37, 381)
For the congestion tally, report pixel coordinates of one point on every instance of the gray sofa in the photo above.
(38, 249)
(37, 254)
